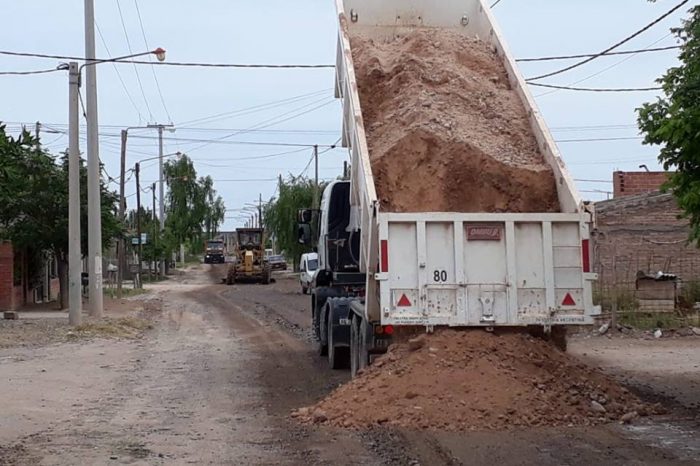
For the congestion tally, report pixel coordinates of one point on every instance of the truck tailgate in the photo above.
(484, 269)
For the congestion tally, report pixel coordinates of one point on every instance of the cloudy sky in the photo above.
(297, 106)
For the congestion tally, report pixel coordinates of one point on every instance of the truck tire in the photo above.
(231, 276)
(354, 346)
(558, 337)
(359, 355)
(266, 273)
(318, 301)
(338, 356)
(322, 330)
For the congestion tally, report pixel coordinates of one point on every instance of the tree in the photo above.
(34, 202)
(194, 209)
(673, 123)
(280, 215)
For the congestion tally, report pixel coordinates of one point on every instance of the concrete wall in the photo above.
(631, 183)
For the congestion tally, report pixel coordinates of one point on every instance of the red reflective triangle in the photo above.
(568, 300)
(404, 301)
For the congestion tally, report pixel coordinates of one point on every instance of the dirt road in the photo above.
(215, 380)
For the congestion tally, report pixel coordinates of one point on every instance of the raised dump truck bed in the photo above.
(435, 268)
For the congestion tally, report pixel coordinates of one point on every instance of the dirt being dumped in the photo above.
(446, 133)
(474, 380)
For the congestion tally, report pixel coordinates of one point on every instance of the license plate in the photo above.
(344, 321)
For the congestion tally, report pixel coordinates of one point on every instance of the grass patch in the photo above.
(125, 327)
(651, 321)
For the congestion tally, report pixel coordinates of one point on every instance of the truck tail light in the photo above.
(585, 256)
(389, 329)
(384, 264)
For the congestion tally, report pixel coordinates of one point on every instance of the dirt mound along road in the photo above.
(474, 380)
(446, 133)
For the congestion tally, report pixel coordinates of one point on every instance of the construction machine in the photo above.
(250, 264)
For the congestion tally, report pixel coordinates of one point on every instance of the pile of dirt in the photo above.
(474, 380)
(446, 132)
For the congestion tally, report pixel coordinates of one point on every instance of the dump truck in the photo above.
(382, 273)
(214, 252)
(249, 263)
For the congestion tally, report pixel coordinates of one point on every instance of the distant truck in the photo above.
(381, 274)
(215, 252)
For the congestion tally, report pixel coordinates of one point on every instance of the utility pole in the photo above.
(316, 197)
(161, 210)
(121, 251)
(93, 156)
(155, 225)
(74, 267)
(138, 225)
(260, 209)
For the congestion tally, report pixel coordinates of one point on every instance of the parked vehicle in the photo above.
(277, 262)
(379, 271)
(214, 252)
(308, 265)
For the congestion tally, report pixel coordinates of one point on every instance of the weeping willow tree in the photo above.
(194, 210)
(280, 215)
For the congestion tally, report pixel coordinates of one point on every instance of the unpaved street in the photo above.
(214, 382)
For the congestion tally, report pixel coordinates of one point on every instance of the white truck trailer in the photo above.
(381, 271)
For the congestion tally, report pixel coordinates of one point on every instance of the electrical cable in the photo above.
(131, 52)
(252, 109)
(25, 73)
(150, 59)
(607, 68)
(271, 122)
(613, 47)
(596, 89)
(184, 64)
(495, 3)
(119, 75)
(587, 55)
(599, 139)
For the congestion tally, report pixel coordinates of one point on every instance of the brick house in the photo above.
(640, 229)
(17, 286)
(631, 183)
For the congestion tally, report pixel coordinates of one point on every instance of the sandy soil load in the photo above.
(474, 380)
(445, 130)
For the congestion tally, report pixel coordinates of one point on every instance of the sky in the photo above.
(285, 111)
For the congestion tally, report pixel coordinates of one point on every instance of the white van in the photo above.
(308, 268)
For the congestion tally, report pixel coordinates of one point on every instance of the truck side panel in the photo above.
(484, 269)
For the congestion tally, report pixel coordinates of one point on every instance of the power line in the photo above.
(272, 121)
(153, 70)
(609, 54)
(119, 75)
(253, 109)
(607, 68)
(495, 3)
(597, 89)
(599, 139)
(131, 52)
(613, 47)
(25, 73)
(184, 64)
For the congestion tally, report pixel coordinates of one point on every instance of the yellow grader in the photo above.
(249, 263)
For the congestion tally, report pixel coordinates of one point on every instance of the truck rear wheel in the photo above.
(338, 356)
(354, 347)
(359, 355)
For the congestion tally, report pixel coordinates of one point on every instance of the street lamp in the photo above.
(94, 207)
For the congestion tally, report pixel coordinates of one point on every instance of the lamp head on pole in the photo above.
(159, 53)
